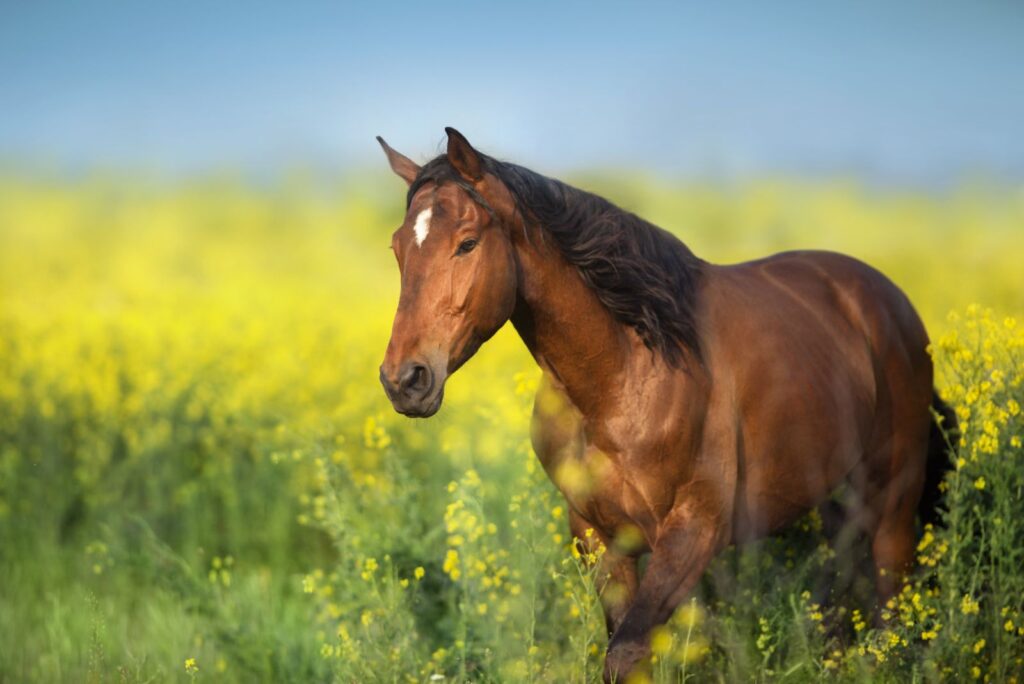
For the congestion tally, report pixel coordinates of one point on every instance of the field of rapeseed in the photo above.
(201, 479)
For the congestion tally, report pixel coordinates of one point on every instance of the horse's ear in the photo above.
(406, 168)
(463, 157)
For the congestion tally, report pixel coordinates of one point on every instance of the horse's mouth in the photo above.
(424, 409)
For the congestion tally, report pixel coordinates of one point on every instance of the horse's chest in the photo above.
(597, 485)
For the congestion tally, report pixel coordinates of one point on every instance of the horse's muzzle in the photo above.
(413, 390)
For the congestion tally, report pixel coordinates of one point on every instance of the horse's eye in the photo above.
(466, 247)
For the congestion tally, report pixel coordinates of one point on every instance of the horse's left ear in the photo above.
(463, 157)
(403, 166)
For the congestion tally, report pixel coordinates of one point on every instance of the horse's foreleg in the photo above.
(683, 550)
(616, 573)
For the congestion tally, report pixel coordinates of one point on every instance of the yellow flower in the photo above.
(191, 666)
(661, 641)
(968, 606)
(689, 615)
(451, 564)
(638, 677)
(979, 483)
(370, 566)
(858, 622)
(692, 651)
(419, 572)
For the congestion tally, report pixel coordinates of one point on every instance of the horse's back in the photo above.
(869, 303)
(839, 292)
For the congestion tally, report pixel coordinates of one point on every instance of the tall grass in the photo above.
(200, 477)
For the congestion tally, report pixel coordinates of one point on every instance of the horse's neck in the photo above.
(570, 333)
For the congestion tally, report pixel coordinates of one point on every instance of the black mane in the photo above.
(644, 276)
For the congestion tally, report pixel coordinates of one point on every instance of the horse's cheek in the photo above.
(508, 287)
(499, 294)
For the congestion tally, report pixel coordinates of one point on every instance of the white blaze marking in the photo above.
(422, 226)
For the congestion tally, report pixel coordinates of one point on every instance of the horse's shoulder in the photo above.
(556, 424)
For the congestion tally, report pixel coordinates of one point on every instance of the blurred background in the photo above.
(919, 92)
(199, 473)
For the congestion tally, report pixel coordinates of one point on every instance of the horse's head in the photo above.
(458, 274)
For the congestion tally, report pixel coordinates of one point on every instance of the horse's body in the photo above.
(803, 354)
(717, 407)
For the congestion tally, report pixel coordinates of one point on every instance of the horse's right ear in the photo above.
(463, 157)
(403, 166)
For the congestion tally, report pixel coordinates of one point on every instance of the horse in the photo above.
(705, 405)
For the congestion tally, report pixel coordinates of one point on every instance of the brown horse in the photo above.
(704, 405)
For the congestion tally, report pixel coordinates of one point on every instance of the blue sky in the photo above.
(913, 91)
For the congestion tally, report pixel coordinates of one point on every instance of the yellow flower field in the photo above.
(201, 478)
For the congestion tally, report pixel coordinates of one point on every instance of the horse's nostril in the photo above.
(416, 379)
